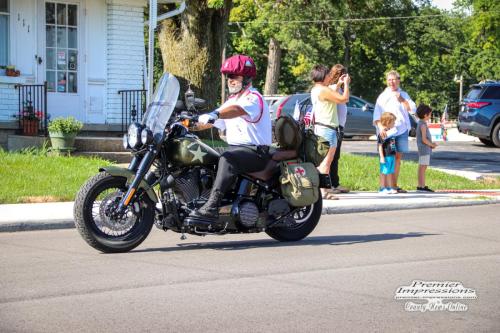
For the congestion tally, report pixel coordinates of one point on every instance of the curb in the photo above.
(408, 206)
(37, 225)
(69, 224)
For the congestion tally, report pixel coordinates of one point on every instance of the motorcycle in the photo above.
(170, 175)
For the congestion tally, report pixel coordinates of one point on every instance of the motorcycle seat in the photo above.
(283, 155)
(276, 156)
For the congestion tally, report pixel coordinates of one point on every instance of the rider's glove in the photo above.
(208, 118)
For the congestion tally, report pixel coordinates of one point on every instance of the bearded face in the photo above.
(234, 83)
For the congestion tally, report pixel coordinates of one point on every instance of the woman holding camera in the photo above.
(324, 109)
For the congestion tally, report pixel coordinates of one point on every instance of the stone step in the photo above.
(98, 144)
(117, 157)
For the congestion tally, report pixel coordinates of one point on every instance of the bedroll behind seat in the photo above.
(287, 133)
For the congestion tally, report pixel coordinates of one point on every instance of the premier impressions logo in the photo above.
(434, 292)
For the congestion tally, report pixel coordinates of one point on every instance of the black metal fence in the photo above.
(133, 106)
(32, 113)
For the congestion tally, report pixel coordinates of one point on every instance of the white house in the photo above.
(86, 51)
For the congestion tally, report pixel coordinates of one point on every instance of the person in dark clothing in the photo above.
(335, 73)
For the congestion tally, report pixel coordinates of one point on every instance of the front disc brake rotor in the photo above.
(115, 225)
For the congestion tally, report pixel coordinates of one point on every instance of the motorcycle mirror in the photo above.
(189, 99)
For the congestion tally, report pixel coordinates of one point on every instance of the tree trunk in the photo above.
(273, 67)
(191, 47)
(347, 50)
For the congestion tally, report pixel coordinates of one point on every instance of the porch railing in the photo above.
(133, 106)
(32, 113)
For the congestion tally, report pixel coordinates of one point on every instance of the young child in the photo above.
(424, 144)
(387, 153)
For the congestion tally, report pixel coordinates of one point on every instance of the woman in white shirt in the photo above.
(336, 72)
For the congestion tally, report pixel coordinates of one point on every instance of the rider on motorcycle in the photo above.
(245, 117)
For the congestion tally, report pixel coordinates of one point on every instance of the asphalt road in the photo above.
(342, 278)
(464, 156)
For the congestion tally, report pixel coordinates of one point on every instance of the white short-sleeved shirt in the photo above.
(387, 102)
(341, 108)
(254, 128)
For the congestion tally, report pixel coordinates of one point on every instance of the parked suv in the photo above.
(481, 113)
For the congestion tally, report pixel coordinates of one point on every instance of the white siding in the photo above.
(22, 42)
(125, 51)
(8, 102)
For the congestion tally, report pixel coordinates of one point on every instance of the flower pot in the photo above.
(30, 126)
(62, 141)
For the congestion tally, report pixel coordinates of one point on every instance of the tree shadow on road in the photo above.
(270, 243)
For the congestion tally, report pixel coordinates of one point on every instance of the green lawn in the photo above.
(361, 173)
(34, 177)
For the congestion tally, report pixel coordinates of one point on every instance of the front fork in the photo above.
(144, 166)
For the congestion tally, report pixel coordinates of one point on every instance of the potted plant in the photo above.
(62, 133)
(11, 71)
(30, 120)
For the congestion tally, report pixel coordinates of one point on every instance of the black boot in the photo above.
(209, 212)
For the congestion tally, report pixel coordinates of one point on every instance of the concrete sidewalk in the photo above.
(59, 215)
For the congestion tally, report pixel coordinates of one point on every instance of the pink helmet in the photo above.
(239, 65)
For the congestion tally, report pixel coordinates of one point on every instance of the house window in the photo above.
(4, 32)
(61, 30)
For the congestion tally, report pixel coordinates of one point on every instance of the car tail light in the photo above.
(477, 105)
(280, 107)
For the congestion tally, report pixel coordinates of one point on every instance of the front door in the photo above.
(60, 57)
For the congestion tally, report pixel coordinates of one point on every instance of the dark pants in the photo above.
(334, 167)
(238, 160)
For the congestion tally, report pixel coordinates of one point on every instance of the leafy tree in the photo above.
(483, 45)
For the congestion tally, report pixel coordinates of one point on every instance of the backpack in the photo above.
(299, 183)
(287, 133)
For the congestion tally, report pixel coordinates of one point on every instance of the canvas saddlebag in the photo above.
(299, 183)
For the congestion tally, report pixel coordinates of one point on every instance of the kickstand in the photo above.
(183, 235)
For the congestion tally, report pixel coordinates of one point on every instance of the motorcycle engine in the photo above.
(247, 213)
(193, 184)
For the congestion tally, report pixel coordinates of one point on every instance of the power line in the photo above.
(354, 19)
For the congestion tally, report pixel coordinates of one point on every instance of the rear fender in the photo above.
(126, 173)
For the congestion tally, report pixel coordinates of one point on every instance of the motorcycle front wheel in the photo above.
(94, 220)
(305, 219)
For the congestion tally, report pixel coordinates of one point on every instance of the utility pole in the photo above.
(459, 80)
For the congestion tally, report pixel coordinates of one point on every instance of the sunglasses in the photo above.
(232, 76)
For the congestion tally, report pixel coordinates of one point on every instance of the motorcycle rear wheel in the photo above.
(99, 195)
(306, 220)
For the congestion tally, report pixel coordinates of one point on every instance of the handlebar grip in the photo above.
(211, 121)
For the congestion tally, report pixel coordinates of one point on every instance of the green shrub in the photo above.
(67, 125)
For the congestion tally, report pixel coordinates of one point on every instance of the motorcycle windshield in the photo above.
(161, 107)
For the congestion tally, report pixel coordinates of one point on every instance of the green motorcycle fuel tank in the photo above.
(190, 151)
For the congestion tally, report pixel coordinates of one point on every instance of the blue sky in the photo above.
(443, 4)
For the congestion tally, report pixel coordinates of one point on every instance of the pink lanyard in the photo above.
(261, 104)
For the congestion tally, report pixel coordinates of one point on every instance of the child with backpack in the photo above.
(424, 144)
(387, 154)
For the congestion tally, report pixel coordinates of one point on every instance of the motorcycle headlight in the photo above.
(125, 141)
(146, 136)
(134, 133)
